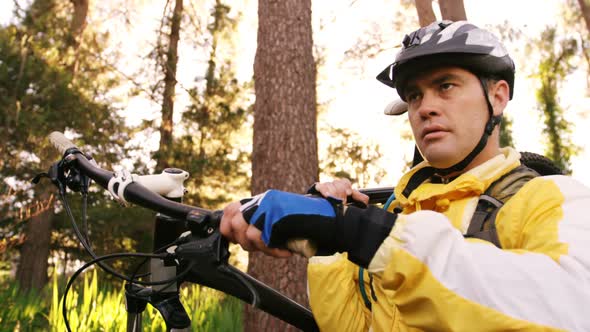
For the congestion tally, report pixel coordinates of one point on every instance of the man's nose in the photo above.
(429, 105)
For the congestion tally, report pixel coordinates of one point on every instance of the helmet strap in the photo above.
(492, 122)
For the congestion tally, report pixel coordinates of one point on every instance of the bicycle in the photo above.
(199, 255)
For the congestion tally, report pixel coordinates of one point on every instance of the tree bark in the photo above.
(453, 10)
(585, 7)
(425, 12)
(78, 23)
(167, 125)
(285, 153)
(34, 252)
(77, 26)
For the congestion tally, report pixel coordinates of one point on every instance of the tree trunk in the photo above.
(32, 266)
(453, 10)
(78, 18)
(167, 125)
(425, 12)
(585, 7)
(34, 253)
(285, 143)
(77, 26)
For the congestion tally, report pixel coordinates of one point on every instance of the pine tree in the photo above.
(213, 140)
(41, 93)
(285, 153)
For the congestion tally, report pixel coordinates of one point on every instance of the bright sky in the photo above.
(356, 99)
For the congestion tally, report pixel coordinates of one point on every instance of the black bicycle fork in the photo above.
(136, 299)
(164, 298)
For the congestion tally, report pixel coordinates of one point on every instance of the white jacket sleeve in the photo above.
(540, 280)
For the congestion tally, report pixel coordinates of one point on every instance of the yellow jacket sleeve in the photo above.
(334, 297)
(539, 281)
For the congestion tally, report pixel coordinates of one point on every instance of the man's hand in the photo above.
(342, 190)
(237, 230)
(275, 218)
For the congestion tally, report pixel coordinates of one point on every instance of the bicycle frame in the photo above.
(201, 252)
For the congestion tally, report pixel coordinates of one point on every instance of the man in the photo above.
(527, 267)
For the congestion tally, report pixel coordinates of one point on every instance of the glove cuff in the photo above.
(313, 191)
(360, 232)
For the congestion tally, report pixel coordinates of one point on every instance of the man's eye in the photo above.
(413, 96)
(446, 86)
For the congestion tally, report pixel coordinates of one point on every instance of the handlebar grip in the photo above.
(60, 142)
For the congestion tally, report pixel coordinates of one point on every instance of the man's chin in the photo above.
(440, 160)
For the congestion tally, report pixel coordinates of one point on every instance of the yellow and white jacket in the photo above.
(427, 276)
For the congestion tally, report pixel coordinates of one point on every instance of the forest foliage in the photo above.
(61, 68)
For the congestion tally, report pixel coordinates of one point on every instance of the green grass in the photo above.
(21, 311)
(91, 308)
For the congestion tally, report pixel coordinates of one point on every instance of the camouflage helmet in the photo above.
(447, 43)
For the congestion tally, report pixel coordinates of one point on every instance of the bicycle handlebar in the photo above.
(212, 269)
(134, 192)
(208, 248)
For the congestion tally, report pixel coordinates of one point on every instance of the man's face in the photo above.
(448, 112)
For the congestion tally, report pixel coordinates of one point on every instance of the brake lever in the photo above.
(55, 174)
(202, 224)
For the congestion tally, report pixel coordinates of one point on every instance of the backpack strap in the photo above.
(483, 222)
(485, 215)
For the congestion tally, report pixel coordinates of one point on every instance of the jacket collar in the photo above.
(415, 186)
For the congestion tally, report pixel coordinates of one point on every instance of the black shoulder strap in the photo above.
(487, 208)
(483, 222)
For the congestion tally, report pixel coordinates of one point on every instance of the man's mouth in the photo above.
(433, 131)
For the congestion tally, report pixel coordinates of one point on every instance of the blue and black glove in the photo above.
(330, 225)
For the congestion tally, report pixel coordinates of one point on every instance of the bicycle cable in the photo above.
(145, 260)
(98, 260)
(106, 268)
(111, 256)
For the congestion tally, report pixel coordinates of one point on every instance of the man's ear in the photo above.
(499, 96)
